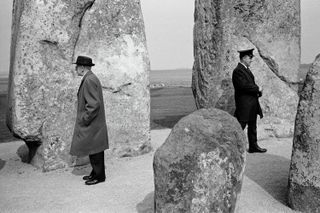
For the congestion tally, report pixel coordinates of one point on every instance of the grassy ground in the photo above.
(5, 134)
(169, 105)
(172, 78)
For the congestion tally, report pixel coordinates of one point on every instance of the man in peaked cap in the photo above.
(90, 135)
(247, 95)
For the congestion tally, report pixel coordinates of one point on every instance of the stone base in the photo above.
(304, 198)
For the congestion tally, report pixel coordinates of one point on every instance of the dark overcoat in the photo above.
(246, 94)
(90, 134)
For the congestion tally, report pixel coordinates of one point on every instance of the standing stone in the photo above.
(112, 32)
(273, 29)
(304, 176)
(43, 84)
(200, 166)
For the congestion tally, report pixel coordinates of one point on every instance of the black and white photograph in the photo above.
(159, 106)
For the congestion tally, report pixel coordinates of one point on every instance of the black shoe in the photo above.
(87, 177)
(257, 149)
(94, 181)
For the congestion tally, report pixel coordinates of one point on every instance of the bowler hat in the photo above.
(84, 61)
(248, 52)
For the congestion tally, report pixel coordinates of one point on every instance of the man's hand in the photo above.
(260, 89)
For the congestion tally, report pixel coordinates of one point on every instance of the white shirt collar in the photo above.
(244, 65)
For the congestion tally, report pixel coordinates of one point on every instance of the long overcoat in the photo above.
(90, 134)
(246, 94)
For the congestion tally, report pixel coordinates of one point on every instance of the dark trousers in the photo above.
(252, 132)
(97, 163)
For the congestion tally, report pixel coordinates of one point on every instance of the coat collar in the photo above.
(83, 78)
(87, 74)
(245, 70)
(242, 66)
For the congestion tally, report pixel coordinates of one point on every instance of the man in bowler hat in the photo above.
(90, 136)
(247, 94)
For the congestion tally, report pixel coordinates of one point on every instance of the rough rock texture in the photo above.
(113, 34)
(46, 38)
(200, 166)
(304, 176)
(273, 29)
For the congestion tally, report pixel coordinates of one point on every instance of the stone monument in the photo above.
(47, 36)
(200, 166)
(272, 28)
(304, 175)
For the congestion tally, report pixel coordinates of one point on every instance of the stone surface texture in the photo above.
(200, 166)
(272, 28)
(113, 34)
(304, 175)
(43, 85)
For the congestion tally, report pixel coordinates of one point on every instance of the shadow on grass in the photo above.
(147, 205)
(271, 173)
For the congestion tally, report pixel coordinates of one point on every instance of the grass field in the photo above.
(169, 105)
(172, 78)
(5, 134)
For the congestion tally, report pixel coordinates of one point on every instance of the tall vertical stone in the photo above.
(273, 29)
(112, 32)
(304, 175)
(43, 84)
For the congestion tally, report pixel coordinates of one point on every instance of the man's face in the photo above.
(79, 70)
(247, 60)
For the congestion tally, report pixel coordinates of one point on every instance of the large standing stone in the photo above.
(47, 36)
(304, 176)
(112, 32)
(273, 29)
(200, 166)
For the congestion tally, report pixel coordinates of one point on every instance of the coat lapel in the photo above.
(246, 71)
(250, 73)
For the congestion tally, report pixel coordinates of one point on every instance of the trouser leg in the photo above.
(97, 163)
(252, 134)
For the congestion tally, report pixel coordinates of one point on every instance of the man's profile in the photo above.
(90, 135)
(247, 94)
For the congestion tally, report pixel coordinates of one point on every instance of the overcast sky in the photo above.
(169, 25)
